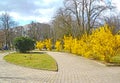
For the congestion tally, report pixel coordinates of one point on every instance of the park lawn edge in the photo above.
(55, 63)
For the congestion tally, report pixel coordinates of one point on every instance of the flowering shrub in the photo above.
(74, 46)
(39, 45)
(48, 44)
(58, 45)
(67, 43)
(101, 44)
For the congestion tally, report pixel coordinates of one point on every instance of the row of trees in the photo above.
(79, 16)
(34, 30)
(10, 30)
(39, 31)
(75, 18)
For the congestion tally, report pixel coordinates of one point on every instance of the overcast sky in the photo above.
(25, 11)
(117, 3)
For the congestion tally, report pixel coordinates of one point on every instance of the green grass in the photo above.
(35, 60)
(3, 51)
(115, 59)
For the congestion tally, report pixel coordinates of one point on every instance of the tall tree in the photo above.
(86, 12)
(33, 30)
(38, 31)
(7, 22)
(62, 24)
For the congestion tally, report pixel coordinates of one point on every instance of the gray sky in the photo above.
(25, 11)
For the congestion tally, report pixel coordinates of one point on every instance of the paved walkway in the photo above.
(72, 69)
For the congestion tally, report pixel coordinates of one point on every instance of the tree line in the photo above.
(9, 30)
(75, 18)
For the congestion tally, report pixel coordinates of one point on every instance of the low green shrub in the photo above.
(24, 44)
(115, 59)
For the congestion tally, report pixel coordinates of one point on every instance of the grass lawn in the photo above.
(35, 60)
(3, 51)
(115, 59)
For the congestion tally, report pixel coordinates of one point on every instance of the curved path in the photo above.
(72, 69)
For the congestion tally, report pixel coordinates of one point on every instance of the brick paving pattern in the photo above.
(71, 69)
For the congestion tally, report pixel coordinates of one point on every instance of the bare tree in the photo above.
(2, 40)
(72, 6)
(32, 30)
(38, 31)
(7, 23)
(86, 12)
(62, 23)
(113, 22)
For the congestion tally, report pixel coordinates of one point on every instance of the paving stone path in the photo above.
(72, 69)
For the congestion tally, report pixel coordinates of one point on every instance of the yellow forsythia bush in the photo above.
(68, 43)
(101, 44)
(74, 46)
(39, 45)
(58, 45)
(47, 43)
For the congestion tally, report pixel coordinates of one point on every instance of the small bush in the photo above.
(24, 44)
(115, 59)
